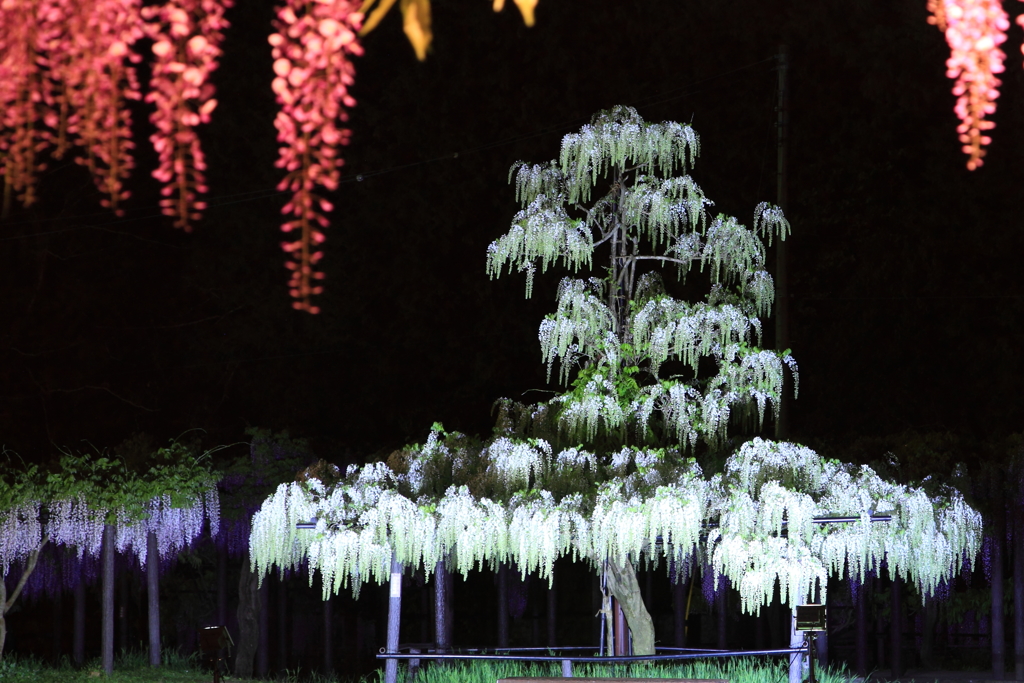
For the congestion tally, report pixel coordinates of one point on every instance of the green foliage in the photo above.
(105, 482)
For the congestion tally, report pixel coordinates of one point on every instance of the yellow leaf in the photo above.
(499, 5)
(526, 8)
(376, 16)
(416, 22)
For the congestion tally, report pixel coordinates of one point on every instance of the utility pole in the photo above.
(781, 256)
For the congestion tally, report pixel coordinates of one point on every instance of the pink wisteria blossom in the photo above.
(24, 92)
(93, 61)
(312, 44)
(186, 38)
(974, 30)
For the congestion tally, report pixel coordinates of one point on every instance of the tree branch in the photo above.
(667, 259)
(32, 558)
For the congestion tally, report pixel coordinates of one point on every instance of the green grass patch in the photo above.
(735, 669)
(134, 668)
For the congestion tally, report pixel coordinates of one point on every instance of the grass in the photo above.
(134, 668)
(736, 670)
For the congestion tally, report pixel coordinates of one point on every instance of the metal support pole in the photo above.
(394, 616)
(796, 640)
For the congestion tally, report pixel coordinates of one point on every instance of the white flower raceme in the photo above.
(770, 494)
(175, 528)
(74, 523)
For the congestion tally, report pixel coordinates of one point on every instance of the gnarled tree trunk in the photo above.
(7, 603)
(623, 585)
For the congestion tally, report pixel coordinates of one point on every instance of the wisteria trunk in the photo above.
(623, 585)
(108, 599)
(442, 618)
(679, 612)
(153, 597)
(248, 621)
(5, 602)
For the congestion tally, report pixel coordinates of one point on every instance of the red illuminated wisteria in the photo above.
(22, 101)
(312, 47)
(974, 30)
(99, 77)
(186, 44)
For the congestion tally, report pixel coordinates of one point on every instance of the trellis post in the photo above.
(394, 616)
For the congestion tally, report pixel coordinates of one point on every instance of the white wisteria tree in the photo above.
(608, 471)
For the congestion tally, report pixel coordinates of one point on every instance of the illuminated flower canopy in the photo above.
(520, 501)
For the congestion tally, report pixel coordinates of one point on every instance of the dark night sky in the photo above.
(907, 308)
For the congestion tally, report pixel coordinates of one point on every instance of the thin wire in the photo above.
(218, 201)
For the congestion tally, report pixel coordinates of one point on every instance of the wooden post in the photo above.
(502, 605)
(78, 634)
(153, 597)
(222, 585)
(394, 618)
(107, 635)
(282, 623)
(552, 609)
(329, 635)
(861, 641)
(896, 628)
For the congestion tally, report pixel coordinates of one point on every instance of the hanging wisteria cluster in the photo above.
(974, 30)
(507, 501)
(186, 38)
(313, 44)
(67, 71)
(77, 523)
(20, 533)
